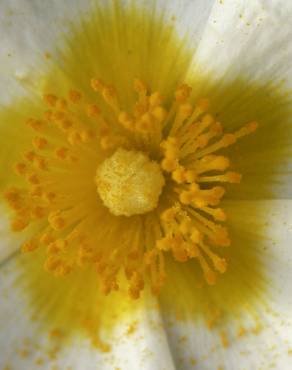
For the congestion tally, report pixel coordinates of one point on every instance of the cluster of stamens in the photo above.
(58, 195)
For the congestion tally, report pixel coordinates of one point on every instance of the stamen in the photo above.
(93, 171)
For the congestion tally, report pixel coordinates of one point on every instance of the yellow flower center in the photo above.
(128, 157)
(129, 183)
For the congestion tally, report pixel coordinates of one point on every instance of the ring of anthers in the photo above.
(151, 175)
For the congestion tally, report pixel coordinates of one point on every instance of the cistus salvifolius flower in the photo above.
(141, 178)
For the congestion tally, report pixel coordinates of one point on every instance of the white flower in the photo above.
(238, 55)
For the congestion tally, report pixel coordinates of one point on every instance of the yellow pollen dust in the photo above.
(129, 183)
(127, 155)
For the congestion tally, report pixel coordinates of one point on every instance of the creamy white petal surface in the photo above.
(139, 342)
(30, 29)
(248, 37)
(271, 346)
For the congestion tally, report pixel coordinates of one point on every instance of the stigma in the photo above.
(162, 164)
(129, 183)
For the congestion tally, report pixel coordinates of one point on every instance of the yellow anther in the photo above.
(217, 213)
(168, 215)
(221, 237)
(220, 264)
(30, 155)
(185, 110)
(179, 175)
(185, 226)
(61, 104)
(193, 250)
(13, 198)
(233, 177)
(63, 270)
(182, 93)
(136, 285)
(145, 123)
(228, 139)
(74, 137)
(172, 153)
(139, 109)
(163, 244)
(196, 236)
(186, 197)
(35, 124)
(139, 86)
(19, 224)
(47, 238)
(65, 124)
(179, 254)
(211, 277)
(92, 110)
(126, 120)
(171, 148)
(29, 246)
(40, 142)
(247, 129)
(159, 113)
(38, 212)
(62, 244)
(56, 221)
(33, 179)
(169, 164)
(108, 142)
(21, 168)
(155, 99)
(219, 163)
(75, 96)
(50, 99)
(40, 163)
(190, 176)
(169, 143)
(194, 188)
(49, 197)
(52, 263)
(109, 94)
(48, 115)
(208, 119)
(62, 152)
(216, 128)
(58, 116)
(53, 248)
(150, 257)
(97, 84)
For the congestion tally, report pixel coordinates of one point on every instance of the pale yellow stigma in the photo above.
(129, 183)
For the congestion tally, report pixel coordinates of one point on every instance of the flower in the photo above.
(125, 151)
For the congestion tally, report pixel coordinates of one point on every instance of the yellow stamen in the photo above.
(155, 164)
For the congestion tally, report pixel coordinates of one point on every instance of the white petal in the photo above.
(271, 345)
(22, 347)
(190, 17)
(251, 38)
(30, 29)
